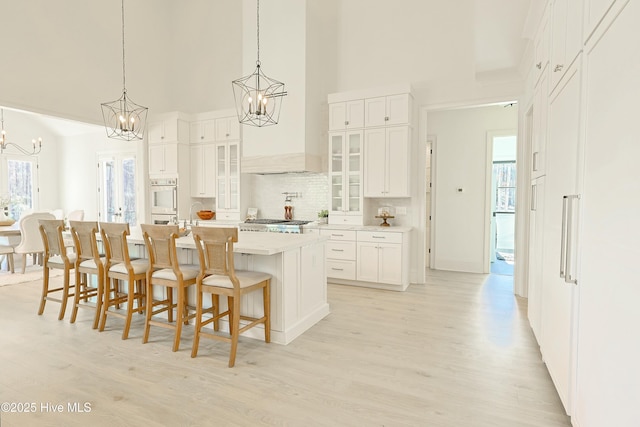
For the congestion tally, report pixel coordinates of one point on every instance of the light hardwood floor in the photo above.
(457, 351)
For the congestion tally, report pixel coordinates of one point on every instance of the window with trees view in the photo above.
(21, 186)
(505, 173)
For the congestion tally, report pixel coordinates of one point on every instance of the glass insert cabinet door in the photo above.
(346, 172)
(227, 176)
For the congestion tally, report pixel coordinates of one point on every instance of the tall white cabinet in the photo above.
(608, 373)
(370, 145)
(583, 266)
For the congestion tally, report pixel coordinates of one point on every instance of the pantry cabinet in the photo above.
(387, 162)
(539, 131)
(536, 241)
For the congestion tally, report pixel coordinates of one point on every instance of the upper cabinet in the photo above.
(386, 162)
(202, 131)
(171, 128)
(541, 46)
(227, 129)
(387, 110)
(566, 37)
(346, 115)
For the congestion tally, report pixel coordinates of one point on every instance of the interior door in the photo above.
(117, 188)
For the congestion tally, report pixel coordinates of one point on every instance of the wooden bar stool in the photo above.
(55, 257)
(166, 271)
(120, 267)
(88, 264)
(218, 276)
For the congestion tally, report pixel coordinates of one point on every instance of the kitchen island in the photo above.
(296, 263)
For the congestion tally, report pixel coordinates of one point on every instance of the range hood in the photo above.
(291, 50)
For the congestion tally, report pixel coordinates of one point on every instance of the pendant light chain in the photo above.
(258, 31)
(124, 86)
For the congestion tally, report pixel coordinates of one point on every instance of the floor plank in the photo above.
(457, 351)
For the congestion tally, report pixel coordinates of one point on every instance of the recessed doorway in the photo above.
(503, 202)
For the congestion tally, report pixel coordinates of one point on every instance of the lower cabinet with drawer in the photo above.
(366, 257)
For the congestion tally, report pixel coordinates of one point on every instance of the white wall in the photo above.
(460, 217)
(21, 129)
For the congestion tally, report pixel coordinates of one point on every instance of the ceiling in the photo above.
(503, 30)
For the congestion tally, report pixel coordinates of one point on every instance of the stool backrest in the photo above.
(114, 237)
(215, 249)
(160, 241)
(53, 242)
(84, 240)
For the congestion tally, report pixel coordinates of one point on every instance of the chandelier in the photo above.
(257, 96)
(123, 118)
(4, 144)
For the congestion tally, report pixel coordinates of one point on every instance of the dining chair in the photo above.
(7, 252)
(55, 257)
(75, 215)
(119, 266)
(30, 238)
(166, 271)
(89, 264)
(218, 276)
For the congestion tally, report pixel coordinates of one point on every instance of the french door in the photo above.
(117, 188)
(21, 191)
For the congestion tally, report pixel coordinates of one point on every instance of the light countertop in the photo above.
(397, 229)
(254, 243)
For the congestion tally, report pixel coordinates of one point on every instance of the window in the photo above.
(505, 173)
(21, 185)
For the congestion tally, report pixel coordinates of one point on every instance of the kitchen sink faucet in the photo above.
(191, 212)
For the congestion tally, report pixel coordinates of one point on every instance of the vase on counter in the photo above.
(288, 212)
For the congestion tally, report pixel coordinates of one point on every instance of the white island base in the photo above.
(296, 263)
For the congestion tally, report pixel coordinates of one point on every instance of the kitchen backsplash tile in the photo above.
(266, 194)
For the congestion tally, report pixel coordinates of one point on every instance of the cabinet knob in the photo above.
(559, 67)
(227, 134)
(386, 119)
(202, 137)
(162, 137)
(346, 122)
(539, 65)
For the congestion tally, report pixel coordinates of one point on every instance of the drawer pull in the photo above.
(379, 237)
(337, 235)
(337, 269)
(337, 250)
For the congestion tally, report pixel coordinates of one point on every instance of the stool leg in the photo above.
(266, 296)
(196, 334)
(65, 294)
(179, 317)
(99, 299)
(45, 289)
(235, 314)
(76, 297)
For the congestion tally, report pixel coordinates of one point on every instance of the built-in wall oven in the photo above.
(164, 200)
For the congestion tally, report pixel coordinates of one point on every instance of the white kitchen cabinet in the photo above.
(608, 373)
(387, 110)
(170, 129)
(595, 11)
(227, 129)
(560, 207)
(203, 163)
(541, 48)
(387, 162)
(536, 240)
(566, 37)
(227, 177)
(202, 131)
(379, 257)
(340, 253)
(346, 115)
(345, 177)
(539, 131)
(163, 159)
